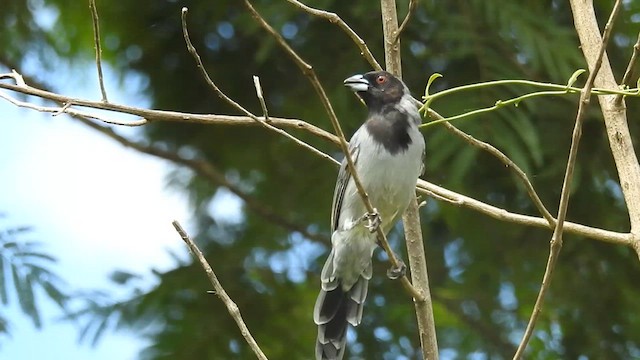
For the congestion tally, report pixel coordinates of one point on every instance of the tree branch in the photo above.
(497, 213)
(413, 4)
(626, 79)
(556, 238)
(505, 160)
(233, 103)
(335, 19)
(96, 41)
(219, 291)
(615, 117)
(411, 217)
(149, 115)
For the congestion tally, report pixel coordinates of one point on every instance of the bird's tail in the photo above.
(334, 308)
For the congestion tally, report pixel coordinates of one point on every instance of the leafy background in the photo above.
(485, 274)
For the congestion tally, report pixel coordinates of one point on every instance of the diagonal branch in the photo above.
(150, 115)
(220, 292)
(96, 41)
(335, 19)
(556, 238)
(413, 4)
(497, 213)
(626, 79)
(615, 117)
(505, 160)
(233, 103)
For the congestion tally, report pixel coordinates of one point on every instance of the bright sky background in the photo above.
(95, 205)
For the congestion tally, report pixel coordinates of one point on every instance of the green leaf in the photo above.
(574, 77)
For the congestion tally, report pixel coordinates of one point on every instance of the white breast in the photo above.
(389, 180)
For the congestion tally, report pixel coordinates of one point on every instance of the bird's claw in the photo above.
(373, 220)
(394, 273)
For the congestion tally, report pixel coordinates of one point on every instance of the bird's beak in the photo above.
(357, 83)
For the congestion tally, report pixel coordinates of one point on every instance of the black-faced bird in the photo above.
(388, 151)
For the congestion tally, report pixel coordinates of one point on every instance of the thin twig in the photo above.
(506, 161)
(335, 19)
(160, 115)
(66, 109)
(413, 4)
(96, 41)
(626, 79)
(307, 70)
(556, 238)
(459, 200)
(233, 103)
(220, 292)
(263, 104)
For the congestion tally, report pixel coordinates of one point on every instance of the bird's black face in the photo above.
(376, 88)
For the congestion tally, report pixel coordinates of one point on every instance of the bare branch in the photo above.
(263, 104)
(392, 59)
(497, 213)
(149, 115)
(335, 19)
(224, 97)
(413, 4)
(307, 70)
(96, 41)
(220, 292)
(615, 116)
(556, 238)
(65, 109)
(411, 216)
(420, 279)
(626, 79)
(505, 160)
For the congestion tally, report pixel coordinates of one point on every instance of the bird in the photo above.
(388, 153)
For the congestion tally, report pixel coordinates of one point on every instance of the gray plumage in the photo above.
(388, 150)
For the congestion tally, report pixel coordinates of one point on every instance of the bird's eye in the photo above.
(381, 79)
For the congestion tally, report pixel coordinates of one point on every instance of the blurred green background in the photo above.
(484, 274)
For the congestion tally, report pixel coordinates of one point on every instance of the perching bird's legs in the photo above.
(374, 220)
(395, 273)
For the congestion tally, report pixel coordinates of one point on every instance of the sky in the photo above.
(95, 205)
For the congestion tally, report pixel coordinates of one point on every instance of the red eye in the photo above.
(381, 79)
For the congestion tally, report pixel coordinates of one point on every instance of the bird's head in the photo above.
(377, 88)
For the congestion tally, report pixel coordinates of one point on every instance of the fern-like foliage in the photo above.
(26, 277)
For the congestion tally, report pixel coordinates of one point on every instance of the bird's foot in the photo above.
(373, 220)
(394, 273)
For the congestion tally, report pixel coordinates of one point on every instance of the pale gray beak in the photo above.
(357, 83)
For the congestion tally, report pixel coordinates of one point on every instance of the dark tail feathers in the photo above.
(334, 309)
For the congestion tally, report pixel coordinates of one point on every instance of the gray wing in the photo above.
(341, 185)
